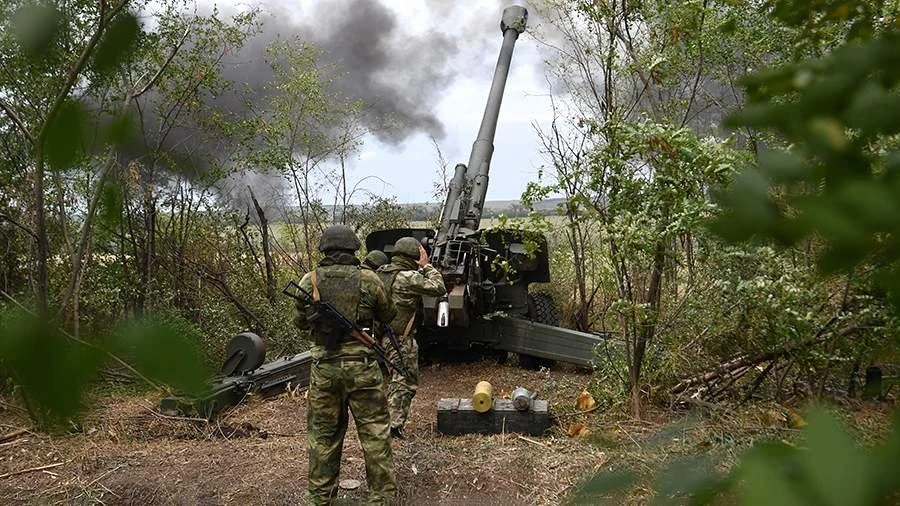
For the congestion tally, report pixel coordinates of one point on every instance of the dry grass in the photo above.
(256, 454)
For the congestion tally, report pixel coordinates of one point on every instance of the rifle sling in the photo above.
(314, 278)
(409, 326)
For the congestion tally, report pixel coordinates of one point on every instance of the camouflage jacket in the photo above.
(370, 301)
(406, 287)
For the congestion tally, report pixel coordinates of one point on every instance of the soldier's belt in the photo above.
(350, 358)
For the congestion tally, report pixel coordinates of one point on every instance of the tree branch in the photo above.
(14, 117)
(79, 65)
(164, 66)
(4, 217)
(700, 63)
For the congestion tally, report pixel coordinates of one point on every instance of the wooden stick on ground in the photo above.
(14, 434)
(532, 441)
(31, 470)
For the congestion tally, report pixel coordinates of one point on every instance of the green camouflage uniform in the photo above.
(347, 376)
(406, 286)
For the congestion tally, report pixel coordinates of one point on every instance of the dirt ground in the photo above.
(126, 453)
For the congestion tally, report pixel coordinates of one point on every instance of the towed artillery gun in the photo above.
(487, 274)
(488, 271)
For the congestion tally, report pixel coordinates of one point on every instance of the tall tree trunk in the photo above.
(40, 231)
(576, 243)
(267, 254)
(72, 291)
(648, 326)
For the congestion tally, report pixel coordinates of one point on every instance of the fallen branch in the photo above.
(745, 361)
(731, 380)
(14, 434)
(31, 470)
(118, 376)
(104, 475)
(532, 441)
(759, 380)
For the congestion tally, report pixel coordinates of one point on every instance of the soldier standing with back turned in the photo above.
(345, 373)
(406, 286)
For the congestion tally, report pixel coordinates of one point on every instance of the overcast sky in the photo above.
(409, 168)
(469, 35)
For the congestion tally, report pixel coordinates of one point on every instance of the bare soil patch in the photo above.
(126, 453)
(256, 454)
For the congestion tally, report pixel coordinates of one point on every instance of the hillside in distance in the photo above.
(492, 208)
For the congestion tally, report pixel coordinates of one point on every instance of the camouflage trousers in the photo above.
(402, 389)
(335, 386)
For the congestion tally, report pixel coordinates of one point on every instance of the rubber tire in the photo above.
(541, 309)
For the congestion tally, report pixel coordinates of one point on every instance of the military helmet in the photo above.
(407, 246)
(375, 259)
(339, 237)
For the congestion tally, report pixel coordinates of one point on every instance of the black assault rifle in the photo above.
(324, 309)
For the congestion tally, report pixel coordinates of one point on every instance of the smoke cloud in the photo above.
(397, 66)
(398, 76)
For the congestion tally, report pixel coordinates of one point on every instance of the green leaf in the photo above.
(111, 205)
(693, 477)
(874, 110)
(835, 224)
(728, 26)
(120, 131)
(35, 28)
(749, 209)
(118, 42)
(887, 472)
(839, 258)
(828, 135)
(783, 166)
(64, 135)
(163, 353)
(837, 468)
(754, 116)
(604, 484)
(871, 202)
(52, 370)
(766, 476)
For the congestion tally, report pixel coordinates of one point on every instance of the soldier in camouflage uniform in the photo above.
(374, 260)
(406, 286)
(345, 373)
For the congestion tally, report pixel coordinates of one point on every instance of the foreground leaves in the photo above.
(829, 469)
(835, 179)
(54, 371)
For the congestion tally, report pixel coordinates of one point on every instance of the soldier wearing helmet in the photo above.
(406, 284)
(374, 260)
(344, 373)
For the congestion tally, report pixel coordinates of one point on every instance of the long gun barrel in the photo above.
(466, 206)
(450, 213)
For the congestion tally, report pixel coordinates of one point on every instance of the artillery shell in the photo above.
(481, 399)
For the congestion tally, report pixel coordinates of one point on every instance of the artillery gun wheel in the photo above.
(244, 353)
(542, 309)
